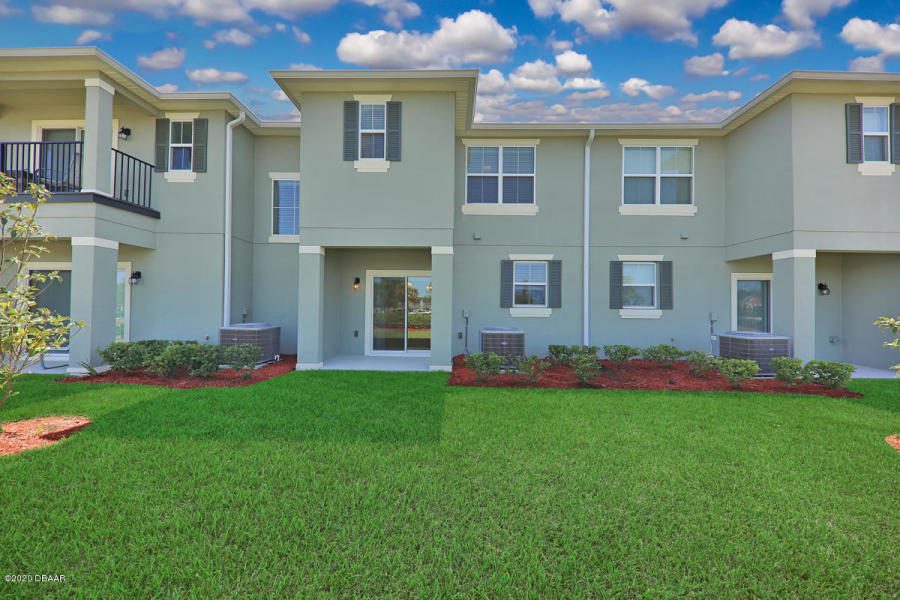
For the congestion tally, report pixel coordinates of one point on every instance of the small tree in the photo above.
(27, 331)
(892, 326)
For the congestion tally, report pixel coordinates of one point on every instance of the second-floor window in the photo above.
(372, 130)
(285, 207)
(876, 134)
(658, 175)
(181, 144)
(500, 175)
(529, 283)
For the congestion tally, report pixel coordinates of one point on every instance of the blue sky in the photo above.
(541, 60)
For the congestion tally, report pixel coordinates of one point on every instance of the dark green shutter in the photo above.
(554, 299)
(506, 284)
(201, 141)
(615, 284)
(853, 113)
(394, 114)
(351, 130)
(162, 145)
(666, 289)
(895, 134)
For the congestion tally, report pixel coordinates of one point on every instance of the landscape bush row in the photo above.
(168, 358)
(584, 362)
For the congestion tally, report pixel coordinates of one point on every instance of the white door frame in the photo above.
(67, 266)
(370, 311)
(735, 277)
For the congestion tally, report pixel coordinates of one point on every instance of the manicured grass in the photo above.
(393, 485)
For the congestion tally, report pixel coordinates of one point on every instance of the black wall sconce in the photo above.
(355, 284)
(124, 133)
(135, 277)
(824, 290)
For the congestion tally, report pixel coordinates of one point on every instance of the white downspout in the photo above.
(586, 261)
(229, 152)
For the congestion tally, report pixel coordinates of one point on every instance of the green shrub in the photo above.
(565, 355)
(532, 366)
(664, 354)
(199, 360)
(484, 364)
(586, 367)
(620, 353)
(737, 371)
(700, 362)
(788, 370)
(241, 357)
(124, 356)
(832, 374)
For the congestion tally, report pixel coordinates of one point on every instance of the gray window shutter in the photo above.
(162, 145)
(394, 113)
(554, 299)
(506, 284)
(201, 141)
(895, 134)
(615, 284)
(351, 130)
(666, 290)
(854, 133)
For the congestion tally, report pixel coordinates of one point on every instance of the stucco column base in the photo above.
(93, 300)
(794, 300)
(441, 308)
(311, 309)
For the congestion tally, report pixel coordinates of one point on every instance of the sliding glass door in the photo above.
(401, 313)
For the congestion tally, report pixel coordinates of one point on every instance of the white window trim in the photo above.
(173, 146)
(500, 208)
(361, 131)
(655, 285)
(735, 277)
(876, 167)
(530, 312)
(67, 266)
(546, 285)
(286, 237)
(657, 208)
(640, 313)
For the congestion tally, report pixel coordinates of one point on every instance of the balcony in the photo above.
(58, 166)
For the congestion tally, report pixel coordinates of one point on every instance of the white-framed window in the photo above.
(530, 283)
(285, 206)
(639, 285)
(658, 175)
(372, 130)
(751, 302)
(500, 174)
(181, 145)
(876, 134)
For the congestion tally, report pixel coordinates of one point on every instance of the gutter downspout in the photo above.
(229, 152)
(586, 260)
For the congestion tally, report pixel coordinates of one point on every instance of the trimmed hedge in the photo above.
(167, 358)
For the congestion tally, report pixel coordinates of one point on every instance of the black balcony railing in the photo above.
(55, 165)
(132, 179)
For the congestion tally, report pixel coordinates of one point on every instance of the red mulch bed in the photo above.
(19, 436)
(222, 378)
(641, 375)
(893, 440)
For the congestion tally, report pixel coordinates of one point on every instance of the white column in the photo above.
(93, 300)
(794, 299)
(441, 308)
(96, 160)
(311, 307)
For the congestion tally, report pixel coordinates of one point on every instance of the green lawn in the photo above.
(393, 485)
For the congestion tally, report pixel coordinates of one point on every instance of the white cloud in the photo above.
(800, 13)
(395, 11)
(89, 36)
(558, 45)
(305, 67)
(536, 76)
(216, 76)
(710, 65)
(472, 37)
(713, 95)
(492, 82)
(636, 86)
(233, 36)
(864, 34)
(167, 58)
(280, 96)
(868, 64)
(70, 15)
(748, 40)
(300, 35)
(664, 19)
(573, 110)
(583, 83)
(280, 27)
(598, 94)
(571, 62)
(167, 88)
